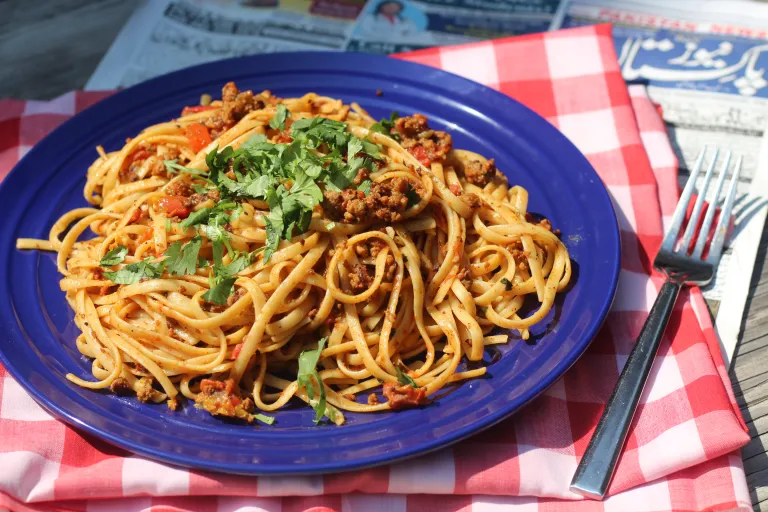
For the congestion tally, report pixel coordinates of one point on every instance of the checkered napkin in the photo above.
(682, 452)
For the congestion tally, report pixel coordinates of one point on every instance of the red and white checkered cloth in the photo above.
(682, 453)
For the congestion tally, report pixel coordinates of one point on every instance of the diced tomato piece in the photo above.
(139, 155)
(198, 135)
(174, 206)
(236, 351)
(136, 216)
(283, 138)
(147, 235)
(195, 109)
(421, 155)
(456, 189)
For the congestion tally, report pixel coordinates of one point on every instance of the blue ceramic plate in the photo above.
(37, 343)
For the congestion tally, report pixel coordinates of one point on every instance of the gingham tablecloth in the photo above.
(682, 452)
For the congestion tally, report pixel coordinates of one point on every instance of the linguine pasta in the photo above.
(257, 249)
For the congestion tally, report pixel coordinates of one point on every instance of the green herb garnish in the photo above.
(114, 256)
(385, 126)
(309, 378)
(183, 261)
(507, 283)
(220, 291)
(278, 122)
(135, 272)
(365, 187)
(404, 379)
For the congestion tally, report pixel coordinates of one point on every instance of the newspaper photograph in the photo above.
(393, 26)
(707, 74)
(164, 36)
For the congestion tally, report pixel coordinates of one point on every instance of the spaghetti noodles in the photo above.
(258, 249)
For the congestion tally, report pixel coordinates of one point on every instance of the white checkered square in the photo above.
(433, 473)
(477, 63)
(64, 104)
(142, 476)
(374, 503)
(659, 151)
(248, 504)
(573, 56)
(621, 196)
(591, 132)
(27, 476)
(636, 292)
(551, 468)
(17, 405)
(504, 504)
(290, 485)
(661, 453)
(665, 378)
(653, 497)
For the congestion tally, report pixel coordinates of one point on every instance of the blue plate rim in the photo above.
(61, 411)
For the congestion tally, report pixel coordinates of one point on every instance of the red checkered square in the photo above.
(489, 467)
(534, 94)
(521, 59)
(34, 127)
(568, 99)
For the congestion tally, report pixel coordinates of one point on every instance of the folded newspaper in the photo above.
(702, 60)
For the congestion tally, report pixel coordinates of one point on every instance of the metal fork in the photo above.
(596, 468)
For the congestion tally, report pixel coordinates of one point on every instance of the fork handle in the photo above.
(595, 470)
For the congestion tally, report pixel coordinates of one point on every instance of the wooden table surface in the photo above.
(51, 47)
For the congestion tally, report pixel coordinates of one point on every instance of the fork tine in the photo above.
(682, 205)
(693, 222)
(725, 217)
(710, 215)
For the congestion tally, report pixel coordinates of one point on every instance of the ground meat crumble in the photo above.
(404, 395)
(235, 105)
(220, 398)
(360, 278)
(425, 144)
(386, 202)
(480, 173)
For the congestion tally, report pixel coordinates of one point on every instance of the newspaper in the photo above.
(166, 35)
(388, 26)
(704, 63)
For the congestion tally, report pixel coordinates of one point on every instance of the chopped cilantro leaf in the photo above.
(278, 122)
(365, 187)
(507, 283)
(200, 189)
(264, 418)
(404, 379)
(413, 197)
(220, 291)
(308, 377)
(114, 256)
(195, 218)
(167, 224)
(174, 168)
(183, 261)
(135, 272)
(385, 126)
(236, 266)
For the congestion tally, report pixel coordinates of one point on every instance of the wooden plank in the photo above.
(749, 375)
